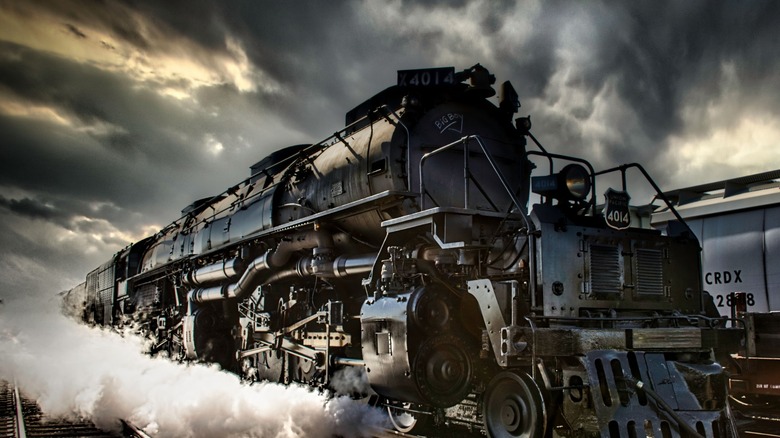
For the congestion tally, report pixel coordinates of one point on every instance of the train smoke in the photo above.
(75, 370)
(351, 380)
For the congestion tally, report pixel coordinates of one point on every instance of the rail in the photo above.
(468, 178)
(21, 417)
(12, 423)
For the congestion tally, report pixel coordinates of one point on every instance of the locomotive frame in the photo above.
(366, 254)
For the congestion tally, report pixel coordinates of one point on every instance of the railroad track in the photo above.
(761, 427)
(20, 417)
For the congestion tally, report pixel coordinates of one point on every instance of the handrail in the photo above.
(467, 174)
(659, 193)
(622, 168)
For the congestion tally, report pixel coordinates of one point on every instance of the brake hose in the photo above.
(640, 386)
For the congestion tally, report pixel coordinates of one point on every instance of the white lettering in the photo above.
(451, 121)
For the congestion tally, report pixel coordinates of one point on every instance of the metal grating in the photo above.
(649, 272)
(146, 296)
(622, 411)
(605, 269)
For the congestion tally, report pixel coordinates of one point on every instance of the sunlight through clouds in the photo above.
(172, 65)
(13, 107)
(726, 152)
(213, 146)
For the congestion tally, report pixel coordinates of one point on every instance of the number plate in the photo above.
(427, 77)
(616, 210)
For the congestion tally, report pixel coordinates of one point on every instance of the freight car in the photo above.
(401, 249)
(738, 223)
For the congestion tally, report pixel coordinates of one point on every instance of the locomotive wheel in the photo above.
(212, 339)
(443, 370)
(403, 421)
(430, 309)
(513, 407)
(303, 369)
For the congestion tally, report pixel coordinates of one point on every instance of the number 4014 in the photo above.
(619, 217)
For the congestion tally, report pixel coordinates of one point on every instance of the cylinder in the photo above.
(208, 294)
(353, 264)
(218, 272)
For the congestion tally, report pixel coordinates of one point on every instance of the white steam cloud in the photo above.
(351, 380)
(78, 371)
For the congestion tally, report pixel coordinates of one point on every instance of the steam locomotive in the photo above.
(400, 251)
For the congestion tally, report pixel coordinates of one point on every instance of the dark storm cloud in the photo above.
(294, 43)
(435, 4)
(138, 121)
(655, 54)
(129, 159)
(31, 208)
(311, 50)
(660, 58)
(133, 144)
(69, 213)
(204, 21)
(109, 15)
(284, 42)
(46, 158)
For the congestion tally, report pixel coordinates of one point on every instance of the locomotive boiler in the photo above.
(400, 252)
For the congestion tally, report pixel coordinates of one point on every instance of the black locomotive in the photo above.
(401, 249)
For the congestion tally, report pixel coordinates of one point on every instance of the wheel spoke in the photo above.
(403, 421)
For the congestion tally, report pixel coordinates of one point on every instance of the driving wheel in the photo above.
(403, 421)
(513, 407)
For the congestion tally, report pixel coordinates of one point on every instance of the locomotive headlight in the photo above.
(572, 183)
(577, 181)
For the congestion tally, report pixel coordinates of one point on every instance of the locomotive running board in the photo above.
(450, 226)
(391, 197)
(388, 198)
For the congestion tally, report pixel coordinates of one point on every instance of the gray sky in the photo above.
(115, 115)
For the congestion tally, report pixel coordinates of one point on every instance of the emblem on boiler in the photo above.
(451, 122)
